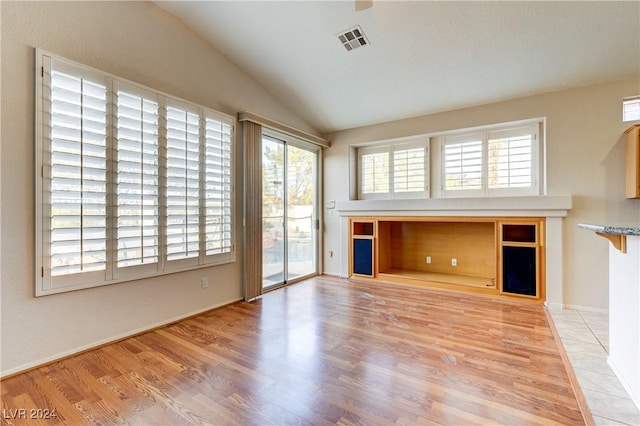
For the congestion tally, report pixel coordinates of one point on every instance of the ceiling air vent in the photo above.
(353, 38)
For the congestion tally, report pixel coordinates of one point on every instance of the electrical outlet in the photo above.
(428, 259)
(454, 262)
(204, 282)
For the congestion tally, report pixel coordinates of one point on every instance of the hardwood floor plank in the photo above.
(109, 406)
(323, 351)
(66, 412)
(448, 414)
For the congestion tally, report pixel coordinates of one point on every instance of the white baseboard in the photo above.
(332, 274)
(553, 305)
(47, 360)
(634, 397)
(586, 309)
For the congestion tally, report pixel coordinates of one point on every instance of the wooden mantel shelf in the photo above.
(616, 234)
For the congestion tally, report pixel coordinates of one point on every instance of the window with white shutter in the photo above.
(183, 183)
(75, 164)
(217, 185)
(375, 171)
(510, 158)
(500, 161)
(399, 170)
(496, 160)
(131, 183)
(463, 164)
(137, 156)
(409, 168)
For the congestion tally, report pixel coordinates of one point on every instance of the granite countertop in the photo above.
(611, 229)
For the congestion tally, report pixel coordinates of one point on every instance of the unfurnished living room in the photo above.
(320, 212)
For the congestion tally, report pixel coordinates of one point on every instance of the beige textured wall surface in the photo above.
(585, 158)
(136, 41)
(140, 42)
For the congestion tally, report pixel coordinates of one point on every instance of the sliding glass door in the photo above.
(289, 212)
(301, 214)
(273, 203)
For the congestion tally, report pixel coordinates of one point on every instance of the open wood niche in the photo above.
(459, 253)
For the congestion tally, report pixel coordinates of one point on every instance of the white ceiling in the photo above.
(423, 57)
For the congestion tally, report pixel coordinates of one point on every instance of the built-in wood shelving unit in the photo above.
(486, 255)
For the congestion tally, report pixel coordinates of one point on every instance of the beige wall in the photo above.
(585, 158)
(140, 42)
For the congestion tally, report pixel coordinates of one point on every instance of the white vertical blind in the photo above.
(183, 183)
(78, 174)
(137, 157)
(217, 186)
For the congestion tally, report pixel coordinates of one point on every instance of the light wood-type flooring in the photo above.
(323, 351)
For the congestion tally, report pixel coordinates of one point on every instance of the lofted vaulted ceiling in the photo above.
(423, 57)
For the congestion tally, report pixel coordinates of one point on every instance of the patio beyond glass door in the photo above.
(301, 214)
(289, 228)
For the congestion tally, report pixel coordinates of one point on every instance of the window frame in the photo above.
(45, 283)
(436, 165)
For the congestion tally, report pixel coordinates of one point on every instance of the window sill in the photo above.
(525, 206)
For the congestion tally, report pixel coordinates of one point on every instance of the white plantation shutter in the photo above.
(130, 182)
(501, 161)
(409, 168)
(510, 158)
(77, 156)
(463, 164)
(137, 182)
(397, 170)
(183, 183)
(374, 171)
(217, 186)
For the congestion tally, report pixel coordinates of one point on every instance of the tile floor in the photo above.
(585, 337)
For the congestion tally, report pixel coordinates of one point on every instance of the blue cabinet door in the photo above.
(519, 273)
(363, 256)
